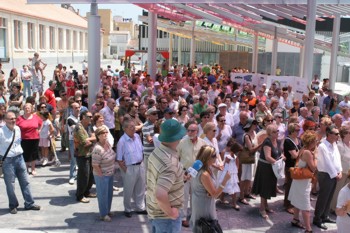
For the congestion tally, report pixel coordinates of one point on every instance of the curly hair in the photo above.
(308, 138)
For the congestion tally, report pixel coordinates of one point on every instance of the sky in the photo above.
(124, 10)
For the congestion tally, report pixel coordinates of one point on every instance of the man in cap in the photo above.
(148, 132)
(228, 116)
(168, 113)
(165, 184)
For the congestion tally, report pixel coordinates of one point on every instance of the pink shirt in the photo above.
(29, 127)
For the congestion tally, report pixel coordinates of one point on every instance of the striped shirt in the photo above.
(166, 171)
(104, 158)
(129, 149)
(147, 130)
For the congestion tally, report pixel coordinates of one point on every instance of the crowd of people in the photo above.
(154, 128)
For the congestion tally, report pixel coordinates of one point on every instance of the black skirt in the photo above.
(30, 149)
(265, 181)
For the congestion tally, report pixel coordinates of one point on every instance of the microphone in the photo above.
(193, 171)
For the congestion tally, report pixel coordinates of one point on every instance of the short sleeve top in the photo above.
(275, 151)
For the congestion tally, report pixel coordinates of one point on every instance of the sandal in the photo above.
(296, 223)
(224, 202)
(306, 231)
(236, 207)
(290, 210)
(270, 211)
(263, 214)
(250, 196)
(243, 201)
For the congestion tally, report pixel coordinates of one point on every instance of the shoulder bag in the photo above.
(300, 173)
(8, 149)
(246, 156)
(204, 225)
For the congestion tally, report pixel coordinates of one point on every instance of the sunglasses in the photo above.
(154, 114)
(213, 156)
(269, 120)
(89, 116)
(336, 134)
(241, 106)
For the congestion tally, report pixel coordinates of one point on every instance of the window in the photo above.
(17, 32)
(3, 33)
(68, 40)
(81, 39)
(42, 37)
(75, 40)
(60, 39)
(31, 35)
(52, 38)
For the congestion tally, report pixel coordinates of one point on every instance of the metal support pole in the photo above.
(94, 55)
(193, 45)
(301, 61)
(179, 50)
(255, 52)
(152, 44)
(274, 53)
(334, 52)
(309, 41)
(170, 49)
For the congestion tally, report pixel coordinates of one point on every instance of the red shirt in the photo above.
(29, 127)
(51, 99)
(70, 88)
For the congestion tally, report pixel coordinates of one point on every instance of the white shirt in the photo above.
(108, 115)
(129, 150)
(6, 136)
(329, 159)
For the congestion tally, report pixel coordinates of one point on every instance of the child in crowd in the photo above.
(46, 132)
(231, 166)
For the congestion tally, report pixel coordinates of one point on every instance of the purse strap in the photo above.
(8, 149)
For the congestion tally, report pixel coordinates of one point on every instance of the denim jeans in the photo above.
(73, 161)
(15, 167)
(27, 88)
(166, 225)
(104, 188)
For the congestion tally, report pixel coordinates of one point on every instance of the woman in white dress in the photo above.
(299, 194)
(210, 130)
(223, 133)
(344, 151)
(251, 143)
(343, 209)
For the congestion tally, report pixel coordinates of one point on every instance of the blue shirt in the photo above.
(129, 150)
(6, 136)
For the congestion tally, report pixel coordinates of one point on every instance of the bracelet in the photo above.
(221, 186)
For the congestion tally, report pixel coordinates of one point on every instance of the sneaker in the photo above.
(45, 162)
(115, 188)
(13, 211)
(106, 218)
(71, 181)
(33, 207)
(84, 200)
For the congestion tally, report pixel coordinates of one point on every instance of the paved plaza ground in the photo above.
(62, 213)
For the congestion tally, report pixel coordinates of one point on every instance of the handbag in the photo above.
(204, 225)
(278, 169)
(246, 156)
(300, 173)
